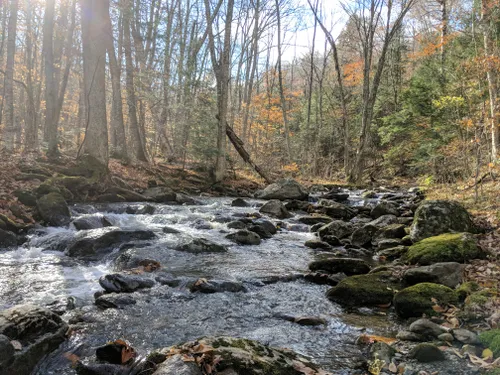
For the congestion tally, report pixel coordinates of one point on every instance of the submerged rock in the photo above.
(7, 239)
(114, 301)
(217, 286)
(433, 218)
(123, 283)
(240, 202)
(201, 245)
(418, 299)
(450, 247)
(282, 190)
(54, 210)
(39, 331)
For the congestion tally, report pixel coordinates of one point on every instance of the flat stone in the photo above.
(465, 336)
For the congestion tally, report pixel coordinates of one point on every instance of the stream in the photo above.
(40, 273)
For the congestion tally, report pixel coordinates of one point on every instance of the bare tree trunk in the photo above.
(282, 89)
(10, 129)
(138, 149)
(93, 16)
(31, 135)
(3, 35)
(444, 35)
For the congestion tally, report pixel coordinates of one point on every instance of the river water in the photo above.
(40, 273)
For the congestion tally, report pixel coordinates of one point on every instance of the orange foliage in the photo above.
(353, 73)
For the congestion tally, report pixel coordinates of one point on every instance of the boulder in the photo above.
(239, 202)
(244, 237)
(363, 236)
(317, 244)
(337, 228)
(237, 224)
(200, 246)
(448, 274)
(315, 219)
(419, 299)
(186, 200)
(427, 329)
(160, 194)
(336, 210)
(427, 353)
(175, 365)
(114, 301)
(7, 351)
(7, 239)
(25, 197)
(365, 290)
(391, 231)
(393, 253)
(242, 356)
(96, 243)
(433, 218)
(465, 336)
(450, 247)
(124, 283)
(384, 221)
(38, 330)
(388, 243)
(266, 225)
(384, 208)
(348, 266)
(91, 222)
(53, 210)
(284, 189)
(336, 194)
(260, 230)
(275, 209)
(216, 286)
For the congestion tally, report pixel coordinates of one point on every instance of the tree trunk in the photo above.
(94, 17)
(31, 135)
(10, 130)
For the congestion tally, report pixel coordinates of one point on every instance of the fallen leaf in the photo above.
(487, 354)
(393, 368)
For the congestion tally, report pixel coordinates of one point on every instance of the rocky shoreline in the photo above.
(400, 256)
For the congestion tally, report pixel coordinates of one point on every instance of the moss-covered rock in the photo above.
(365, 290)
(54, 210)
(247, 357)
(349, 266)
(491, 340)
(25, 197)
(419, 299)
(433, 218)
(449, 247)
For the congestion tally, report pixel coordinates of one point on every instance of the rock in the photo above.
(409, 336)
(465, 336)
(266, 225)
(332, 240)
(90, 222)
(128, 195)
(393, 253)
(317, 244)
(101, 369)
(450, 247)
(417, 300)
(388, 244)
(337, 228)
(25, 197)
(160, 194)
(384, 221)
(242, 356)
(325, 278)
(110, 198)
(364, 290)
(236, 225)
(392, 231)
(260, 230)
(448, 274)
(38, 330)
(275, 209)
(112, 352)
(407, 240)
(141, 210)
(54, 210)
(433, 218)
(348, 266)
(427, 353)
(201, 245)
(336, 210)
(336, 194)
(123, 283)
(363, 236)
(96, 243)
(244, 237)
(284, 189)
(384, 208)
(186, 200)
(309, 321)
(369, 194)
(201, 224)
(217, 286)
(174, 365)
(114, 301)
(6, 351)
(7, 239)
(315, 219)
(169, 230)
(427, 329)
(446, 337)
(383, 352)
(239, 202)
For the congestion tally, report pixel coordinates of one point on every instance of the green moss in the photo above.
(495, 371)
(365, 290)
(467, 289)
(419, 299)
(491, 340)
(449, 247)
